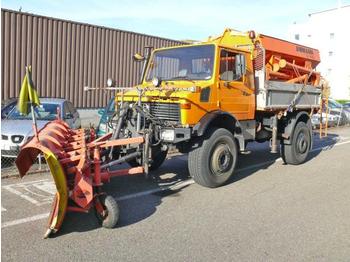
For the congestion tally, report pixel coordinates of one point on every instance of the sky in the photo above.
(181, 19)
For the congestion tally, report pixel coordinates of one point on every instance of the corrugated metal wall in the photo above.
(66, 56)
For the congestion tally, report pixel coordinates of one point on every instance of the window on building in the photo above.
(331, 36)
(297, 36)
(330, 53)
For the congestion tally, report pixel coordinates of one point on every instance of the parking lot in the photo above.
(268, 212)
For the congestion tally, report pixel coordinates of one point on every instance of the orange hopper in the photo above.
(291, 62)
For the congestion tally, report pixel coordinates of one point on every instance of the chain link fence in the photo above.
(9, 168)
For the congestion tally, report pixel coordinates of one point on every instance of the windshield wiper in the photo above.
(180, 78)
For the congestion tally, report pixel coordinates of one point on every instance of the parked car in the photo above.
(332, 120)
(340, 111)
(6, 106)
(16, 128)
(338, 114)
(105, 113)
(347, 106)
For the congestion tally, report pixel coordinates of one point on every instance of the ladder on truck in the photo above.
(324, 107)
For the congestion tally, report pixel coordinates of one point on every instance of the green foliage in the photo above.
(342, 101)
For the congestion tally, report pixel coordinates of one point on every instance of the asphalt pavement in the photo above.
(267, 212)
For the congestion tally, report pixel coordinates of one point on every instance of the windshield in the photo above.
(192, 63)
(42, 112)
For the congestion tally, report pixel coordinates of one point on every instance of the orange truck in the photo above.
(209, 99)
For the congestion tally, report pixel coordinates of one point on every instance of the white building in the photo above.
(329, 32)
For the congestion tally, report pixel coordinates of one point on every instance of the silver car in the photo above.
(16, 129)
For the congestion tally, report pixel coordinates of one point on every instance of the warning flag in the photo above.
(27, 93)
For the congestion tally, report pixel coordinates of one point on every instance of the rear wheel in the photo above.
(212, 163)
(296, 152)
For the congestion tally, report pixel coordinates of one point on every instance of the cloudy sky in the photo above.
(181, 19)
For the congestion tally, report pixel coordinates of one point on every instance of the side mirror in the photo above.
(138, 58)
(101, 111)
(240, 65)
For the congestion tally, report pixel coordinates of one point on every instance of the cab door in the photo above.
(235, 94)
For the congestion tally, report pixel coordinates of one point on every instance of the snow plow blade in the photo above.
(27, 157)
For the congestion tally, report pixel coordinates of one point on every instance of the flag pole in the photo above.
(34, 125)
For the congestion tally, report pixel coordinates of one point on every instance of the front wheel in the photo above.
(108, 215)
(212, 163)
(296, 152)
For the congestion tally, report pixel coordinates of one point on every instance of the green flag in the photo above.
(27, 93)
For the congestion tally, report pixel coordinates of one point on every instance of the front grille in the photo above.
(17, 139)
(166, 111)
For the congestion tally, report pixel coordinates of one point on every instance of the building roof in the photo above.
(86, 24)
(329, 10)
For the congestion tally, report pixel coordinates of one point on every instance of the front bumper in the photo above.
(9, 150)
(175, 135)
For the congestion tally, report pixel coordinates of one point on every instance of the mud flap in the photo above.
(25, 160)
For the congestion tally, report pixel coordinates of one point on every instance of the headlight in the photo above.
(156, 81)
(167, 135)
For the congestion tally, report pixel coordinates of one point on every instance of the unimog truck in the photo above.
(209, 99)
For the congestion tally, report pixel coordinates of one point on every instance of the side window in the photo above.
(228, 66)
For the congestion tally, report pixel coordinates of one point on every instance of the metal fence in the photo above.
(66, 56)
(9, 169)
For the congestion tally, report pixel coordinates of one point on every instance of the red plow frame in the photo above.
(75, 161)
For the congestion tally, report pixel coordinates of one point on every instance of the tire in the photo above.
(111, 210)
(157, 159)
(297, 152)
(212, 163)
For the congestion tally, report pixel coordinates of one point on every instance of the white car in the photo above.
(332, 120)
(16, 129)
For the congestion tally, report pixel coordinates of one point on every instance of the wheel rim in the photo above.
(221, 159)
(302, 143)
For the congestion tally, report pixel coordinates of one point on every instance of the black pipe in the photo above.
(116, 132)
(148, 51)
(121, 160)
